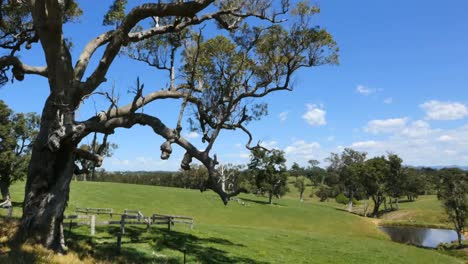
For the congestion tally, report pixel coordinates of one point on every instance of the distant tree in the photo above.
(296, 170)
(323, 192)
(195, 178)
(17, 132)
(373, 180)
(269, 171)
(415, 183)
(348, 166)
(88, 166)
(230, 177)
(315, 174)
(395, 179)
(300, 186)
(453, 193)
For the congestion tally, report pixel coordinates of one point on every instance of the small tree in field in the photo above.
(373, 180)
(454, 195)
(213, 74)
(300, 186)
(269, 170)
(17, 132)
(348, 166)
(395, 179)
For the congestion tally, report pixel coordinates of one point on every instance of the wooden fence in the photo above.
(170, 220)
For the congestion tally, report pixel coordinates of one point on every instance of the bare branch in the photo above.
(19, 69)
(87, 155)
(120, 36)
(170, 135)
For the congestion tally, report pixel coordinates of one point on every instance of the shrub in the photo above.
(323, 193)
(342, 199)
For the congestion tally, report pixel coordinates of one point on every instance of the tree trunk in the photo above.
(270, 197)
(5, 187)
(459, 235)
(300, 197)
(93, 173)
(48, 184)
(377, 203)
(5, 190)
(350, 203)
(396, 203)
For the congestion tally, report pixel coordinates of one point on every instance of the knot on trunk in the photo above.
(18, 73)
(56, 136)
(166, 150)
(185, 164)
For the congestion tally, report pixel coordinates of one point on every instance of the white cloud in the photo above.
(385, 125)
(361, 89)
(388, 100)
(301, 151)
(417, 129)
(420, 144)
(315, 115)
(283, 116)
(269, 144)
(365, 144)
(445, 138)
(244, 155)
(437, 110)
(192, 135)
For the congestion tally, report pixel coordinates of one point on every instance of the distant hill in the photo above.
(438, 167)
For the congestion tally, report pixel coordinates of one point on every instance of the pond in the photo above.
(424, 237)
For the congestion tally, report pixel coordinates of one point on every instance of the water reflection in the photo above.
(425, 237)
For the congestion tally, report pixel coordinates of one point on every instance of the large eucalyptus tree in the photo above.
(254, 49)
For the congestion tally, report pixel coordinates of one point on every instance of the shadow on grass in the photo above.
(260, 202)
(197, 249)
(201, 249)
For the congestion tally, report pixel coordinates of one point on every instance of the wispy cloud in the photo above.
(315, 115)
(420, 144)
(388, 100)
(437, 110)
(379, 126)
(283, 116)
(364, 90)
(192, 135)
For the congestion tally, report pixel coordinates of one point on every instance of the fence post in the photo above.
(169, 220)
(119, 242)
(93, 225)
(70, 225)
(122, 224)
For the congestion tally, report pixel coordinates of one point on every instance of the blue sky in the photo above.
(401, 86)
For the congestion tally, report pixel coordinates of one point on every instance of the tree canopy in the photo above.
(254, 50)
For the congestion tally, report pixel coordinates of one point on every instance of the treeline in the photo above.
(192, 179)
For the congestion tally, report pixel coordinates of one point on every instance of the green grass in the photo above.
(427, 211)
(289, 231)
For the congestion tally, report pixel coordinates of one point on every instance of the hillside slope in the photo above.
(287, 232)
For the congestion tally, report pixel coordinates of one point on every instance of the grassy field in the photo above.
(289, 231)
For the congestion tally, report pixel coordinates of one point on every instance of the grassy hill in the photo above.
(287, 232)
